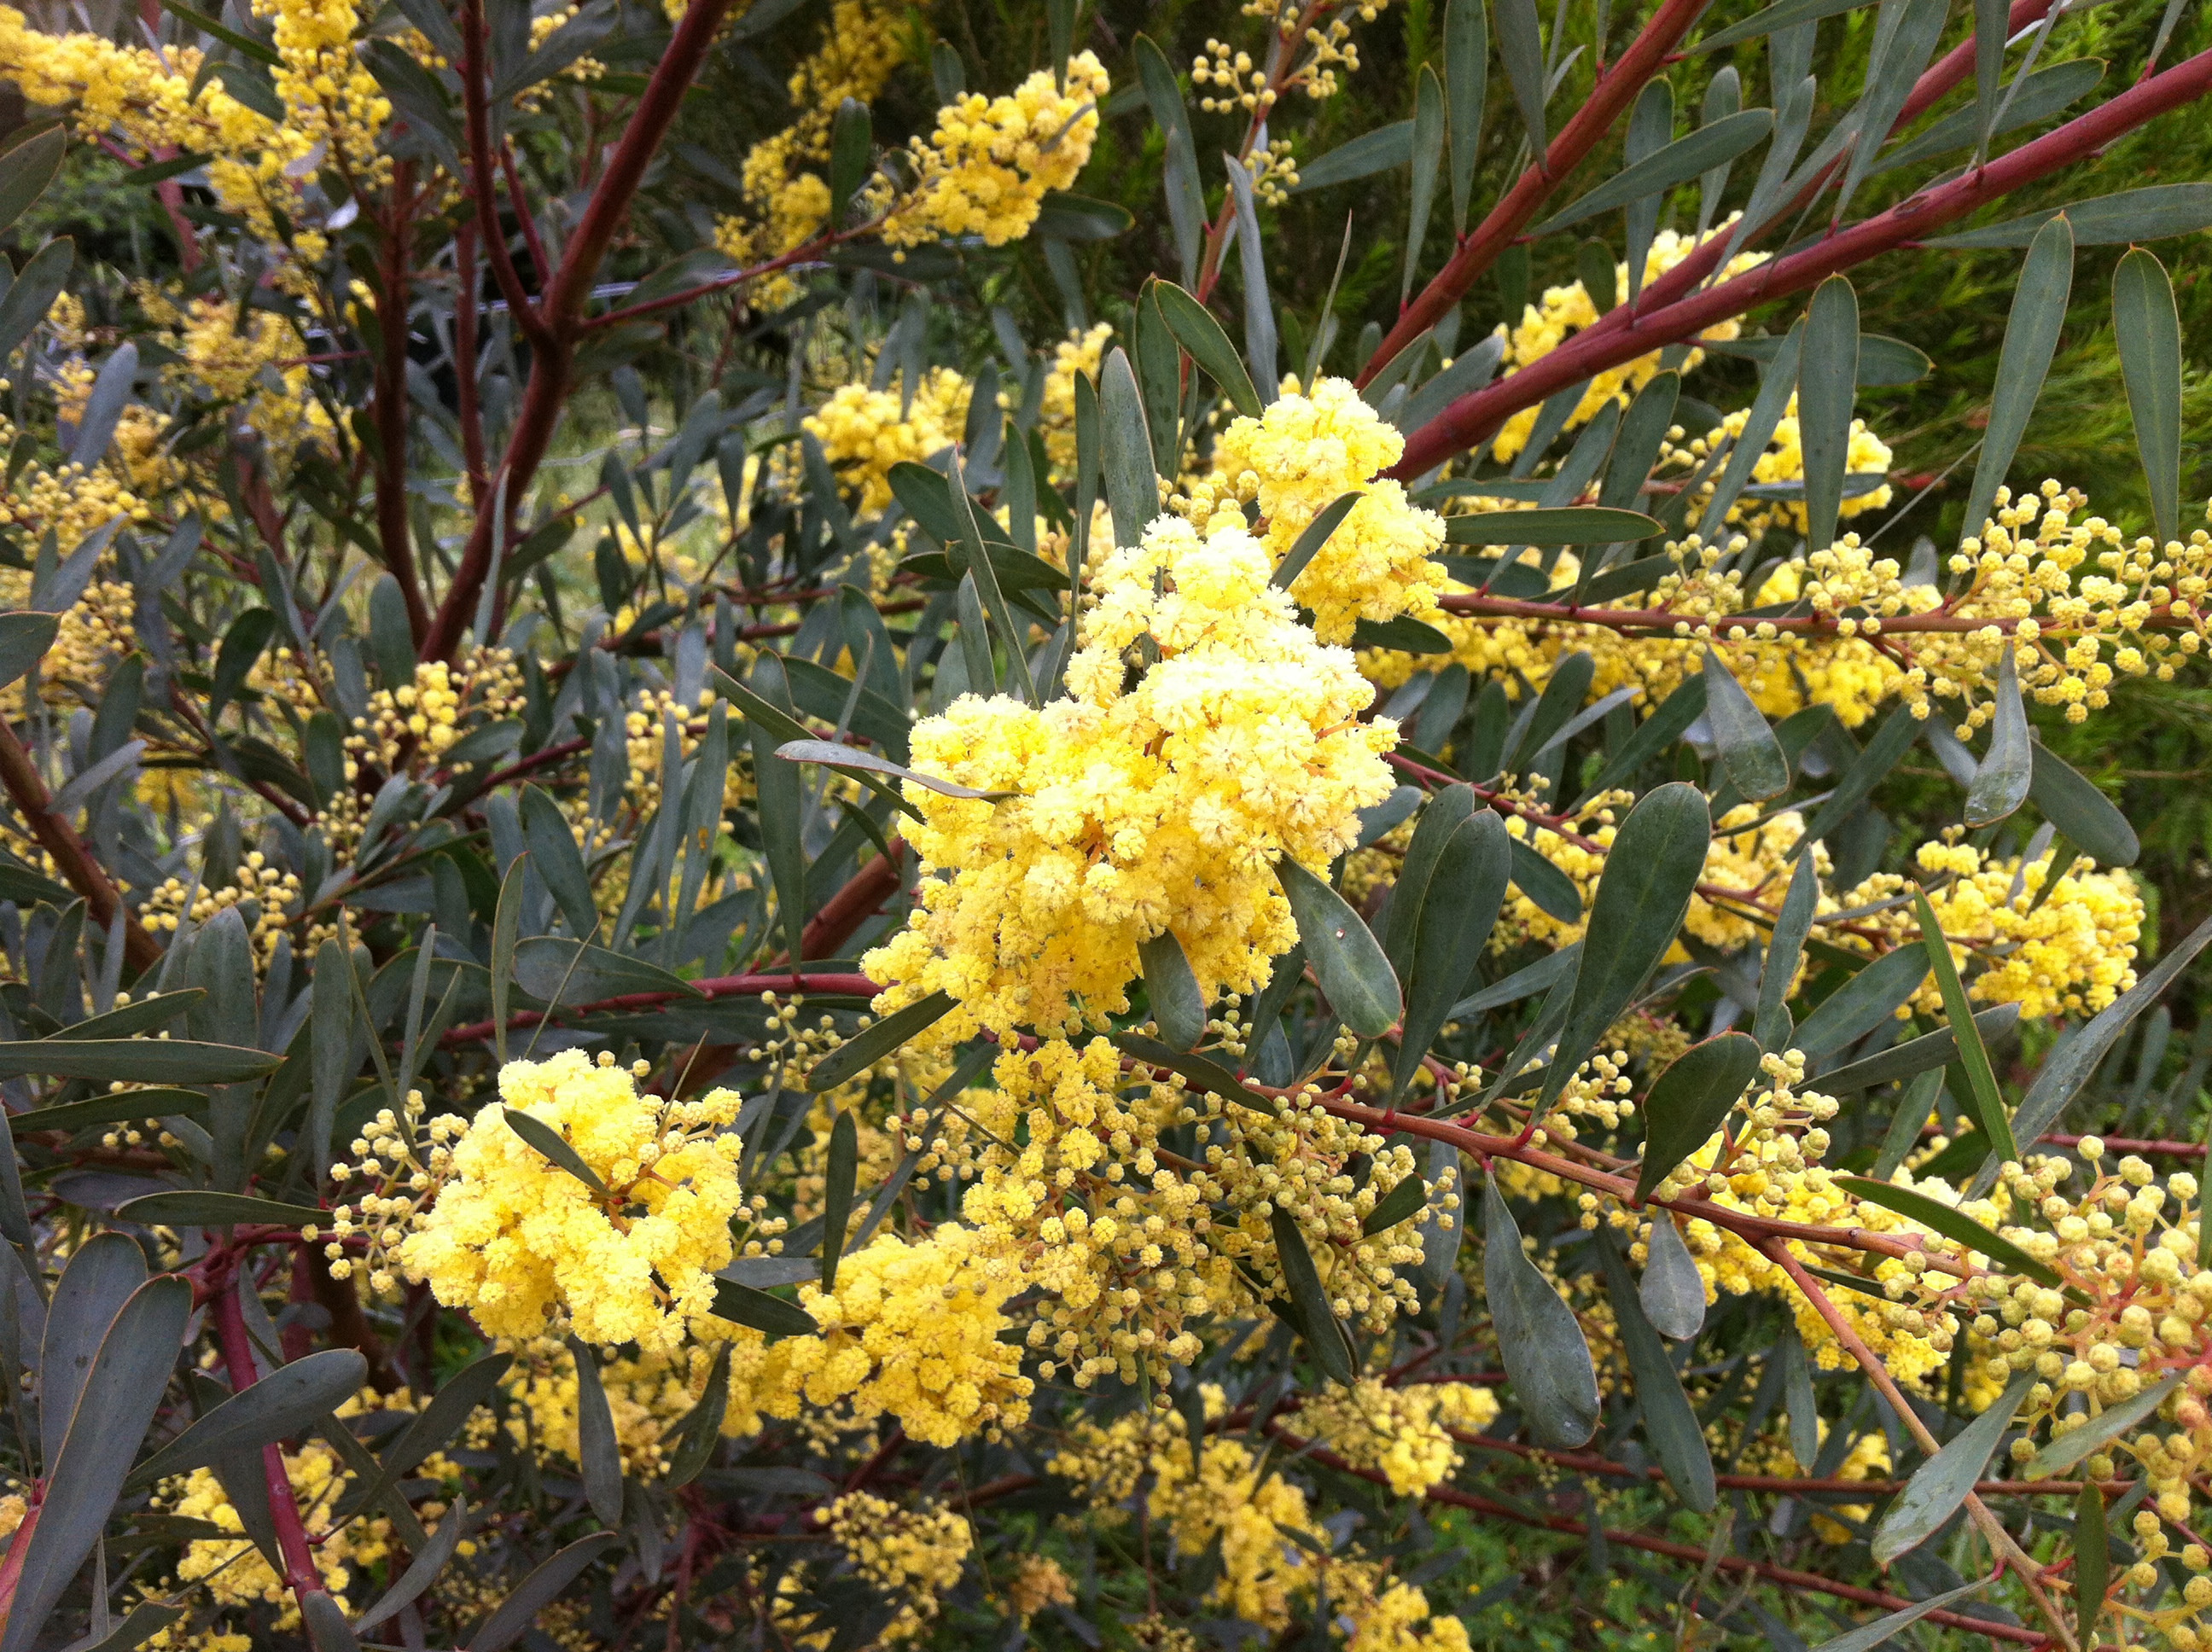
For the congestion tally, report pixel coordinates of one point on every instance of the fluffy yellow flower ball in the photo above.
(986, 169)
(1162, 805)
(527, 1247)
(1297, 459)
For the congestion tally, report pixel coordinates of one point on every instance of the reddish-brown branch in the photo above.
(1785, 1577)
(1672, 311)
(483, 186)
(562, 310)
(1787, 1485)
(1616, 88)
(298, 1553)
(469, 408)
(862, 896)
(71, 854)
(395, 535)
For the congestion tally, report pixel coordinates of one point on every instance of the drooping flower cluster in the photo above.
(1403, 1432)
(1160, 805)
(912, 1555)
(864, 432)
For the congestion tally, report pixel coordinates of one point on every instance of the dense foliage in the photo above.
(837, 824)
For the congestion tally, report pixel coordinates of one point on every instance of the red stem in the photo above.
(1672, 312)
(299, 1556)
(393, 531)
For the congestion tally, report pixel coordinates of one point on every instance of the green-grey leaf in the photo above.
(213, 1209)
(1946, 1479)
(873, 1042)
(1404, 1200)
(507, 918)
(95, 1285)
(837, 1185)
(1561, 524)
(422, 1570)
(1131, 486)
(598, 1453)
(1785, 949)
(1521, 48)
(2068, 1450)
(286, 1402)
(701, 1430)
(1347, 960)
(2148, 329)
(1540, 1342)
(1309, 541)
(1973, 1055)
(1186, 198)
(847, 759)
(515, 1614)
(25, 640)
(143, 1060)
(1952, 1223)
(1467, 85)
(551, 1144)
(29, 166)
(2133, 215)
(851, 134)
(1714, 145)
(1672, 1290)
(1197, 331)
(125, 1384)
(1650, 872)
(1752, 757)
(2038, 312)
(1448, 928)
(1864, 1002)
(1178, 1004)
(2001, 783)
(1300, 1278)
(1553, 892)
(743, 1304)
(2092, 1561)
(2080, 808)
(1669, 1423)
(1381, 150)
(1827, 377)
(1787, 13)
(1428, 160)
(1917, 1055)
(1688, 1102)
(558, 970)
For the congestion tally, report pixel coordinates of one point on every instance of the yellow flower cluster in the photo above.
(1296, 459)
(1783, 460)
(1567, 310)
(646, 1397)
(232, 1569)
(1402, 1432)
(986, 168)
(528, 1247)
(863, 434)
(1079, 353)
(95, 632)
(913, 1556)
(1160, 805)
(255, 363)
(912, 1331)
(431, 714)
(265, 897)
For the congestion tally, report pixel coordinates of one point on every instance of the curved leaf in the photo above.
(2080, 808)
(2068, 1450)
(1317, 1320)
(1710, 146)
(836, 755)
(1178, 1005)
(1754, 758)
(873, 1042)
(199, 1208)
(98, 1280)
(1347, 960)
(1315, 536)
(1973, 1055)
(421, 1570)
(1539, 1338)
(598, 1454)
(1677, 1438)
(2038, 312)
(134, 1060)
(538, 1591)
(1939, 1218)
(1384, 149)
(1916, 1056)
(551, 1146)
(1197, 331)
(1946, 1479)
(1466, 84)
(2148, 329)
(2132, 215)
(1827, 375)
(2001, 783)
(1133, 495)
(743, 1304)
(1557, 525)
(285, 1402)
(1688, 1102)
(1785, 949)
(1864, 1002)
(842, 1171)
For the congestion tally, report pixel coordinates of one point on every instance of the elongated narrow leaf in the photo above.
(1449, 930)
(1308, 543)
(2001, 783)
(1186, 198)
(1685, 158)
(214, 1209)
(2072, 1064)
(848, 759)
(555, 1147)
(1404, 1200)
(2148, 329)
(1973, 1055)
(1428, 160)
(1827, 377)
(25, 639)
(1748, 750)
(1688, 1102)
(1666, 724)
(2149, 214)
(540, 1589)
(1197, 332)
(285, 1402)
(1650, 872)
(701, 1430)
(1178, 1004)
(29, 166)
(1864, 1002)
(2068, 1450)
(1553, 892)
(1521, 48)
(1669, 1424)
(1672, 1290)
(1347, 960)
(839, 1176)
(140, 1060)
(126, 1381)
(1384, 149)
(1939, 1218)
(1886, 1629)
(2076, 806)
(1132, 488)
(870, 1045)
(1786, 13)
(1560, 525)
(1939, 1485)
(92, 1289)
(1323, 1335)
(744, 1304)
(1917, 1055)
(37, 284)
(1548, 1361)
(850, 136)
(2092, 1561)
(782, 801)
(597, 1454)
(1865, 772)
(1785, 949)
(1013, 632)
(1776, 385)
(1467, 85)
(422, 1570)
(2038, 312)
